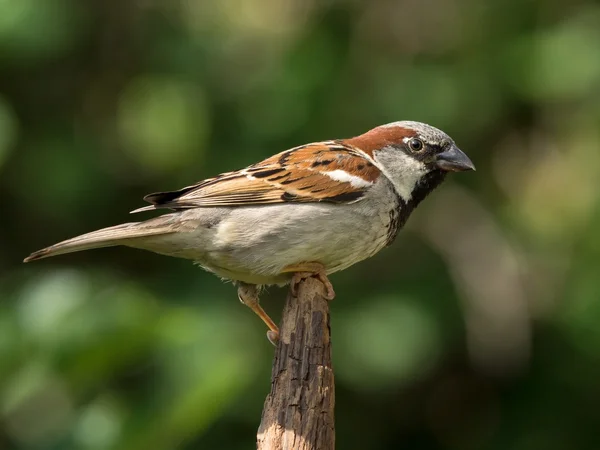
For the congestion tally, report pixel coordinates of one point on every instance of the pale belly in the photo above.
(255, 244)
(249, 249)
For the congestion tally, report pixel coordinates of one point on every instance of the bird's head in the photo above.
(414, 156)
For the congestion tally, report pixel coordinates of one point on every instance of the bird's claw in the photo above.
(273, 337)
(320, 275)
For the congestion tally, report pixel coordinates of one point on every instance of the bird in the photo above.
(309, 211)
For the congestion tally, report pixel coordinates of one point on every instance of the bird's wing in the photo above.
(329, 171)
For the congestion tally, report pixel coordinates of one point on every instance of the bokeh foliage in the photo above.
(478, 329)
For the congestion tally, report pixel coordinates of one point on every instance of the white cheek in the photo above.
(403, 171)
(345, 177)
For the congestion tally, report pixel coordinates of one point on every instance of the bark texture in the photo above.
(298, 412)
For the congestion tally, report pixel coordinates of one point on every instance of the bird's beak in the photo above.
(453, 159)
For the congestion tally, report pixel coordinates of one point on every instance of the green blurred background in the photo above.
(478, 329)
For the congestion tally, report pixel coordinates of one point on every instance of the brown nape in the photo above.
(380, 137)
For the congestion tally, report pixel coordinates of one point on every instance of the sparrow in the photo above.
(312, 210)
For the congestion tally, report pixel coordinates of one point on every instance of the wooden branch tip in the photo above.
(299, 411)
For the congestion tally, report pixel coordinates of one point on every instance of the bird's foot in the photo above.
(273, 337)
(248, 295)
(310, 269)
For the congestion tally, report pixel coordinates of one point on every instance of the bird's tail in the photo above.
(106, 237)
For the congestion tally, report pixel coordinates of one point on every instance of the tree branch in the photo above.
(298, 412)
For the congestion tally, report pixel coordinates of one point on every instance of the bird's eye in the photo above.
(415, 144)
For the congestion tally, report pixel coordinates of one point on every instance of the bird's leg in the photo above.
(310, 269)
(248, 295)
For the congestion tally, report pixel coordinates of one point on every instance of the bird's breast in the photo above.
(397, 217)
(254, 244)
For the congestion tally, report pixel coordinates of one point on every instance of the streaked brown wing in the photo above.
(321, 172)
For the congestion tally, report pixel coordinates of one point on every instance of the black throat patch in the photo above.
(400, 214)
